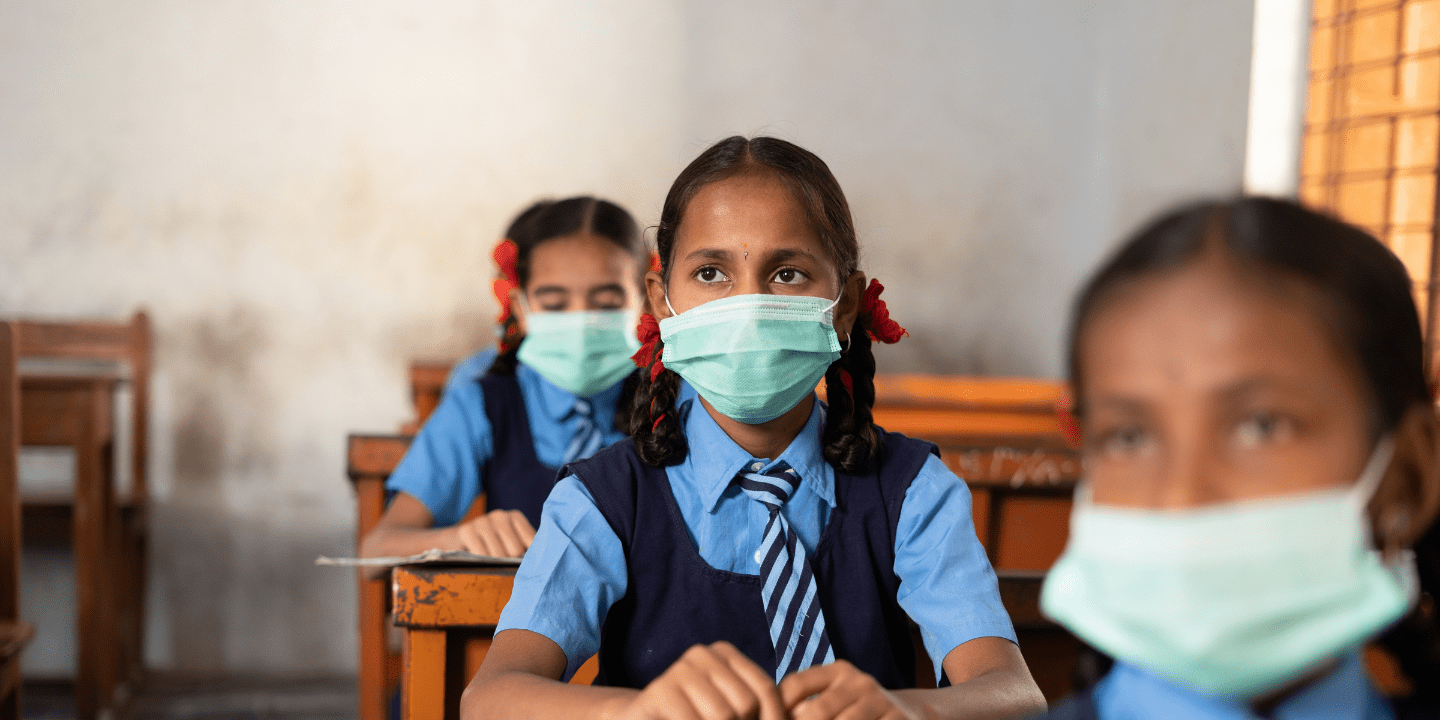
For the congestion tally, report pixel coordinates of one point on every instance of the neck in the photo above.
(768, 439)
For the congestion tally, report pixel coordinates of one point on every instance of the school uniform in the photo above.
(503, 435)
(669, 557)
(1130, 693)
(471, 368)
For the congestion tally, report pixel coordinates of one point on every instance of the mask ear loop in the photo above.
(1374, 472)
(846, 347)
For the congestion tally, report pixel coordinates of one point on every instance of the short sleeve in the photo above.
(470, 369)
(572, 574)
(946, 583)
(442, 467)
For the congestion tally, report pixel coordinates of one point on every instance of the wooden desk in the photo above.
(448, 615)
(75, 412)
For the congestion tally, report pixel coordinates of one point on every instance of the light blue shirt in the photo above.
(1129, 693)
(444, 467)
(575, 570)
(471, 369)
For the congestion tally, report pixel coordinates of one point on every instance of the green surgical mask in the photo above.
(1233, 600)
(583, 351)
(752, 357)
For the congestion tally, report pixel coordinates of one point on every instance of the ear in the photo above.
(848, 309)
(1408, 499)
(517, 308)
(655, 294)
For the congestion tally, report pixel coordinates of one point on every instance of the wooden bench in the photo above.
(68, 375)
(14, 634)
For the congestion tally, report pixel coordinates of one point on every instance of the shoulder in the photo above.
(471, 368)
(899, 461)
(613, 478)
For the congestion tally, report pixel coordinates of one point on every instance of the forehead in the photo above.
(748, 208)
(1208, 324)
(583, 256)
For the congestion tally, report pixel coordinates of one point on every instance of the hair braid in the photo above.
(850, 439)
(654, 421)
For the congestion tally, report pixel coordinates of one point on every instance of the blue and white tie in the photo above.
(792, 606)
(587, 439)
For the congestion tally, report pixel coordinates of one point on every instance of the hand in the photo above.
(498, 533)
(841, 689)
(709, 682)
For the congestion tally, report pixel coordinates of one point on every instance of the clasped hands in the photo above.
(717, 682)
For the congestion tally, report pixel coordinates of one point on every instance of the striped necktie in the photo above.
(587, 439)
(792, 605)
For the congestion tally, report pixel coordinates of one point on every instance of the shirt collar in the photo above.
(714, 459)
(1343, 694)
(557, 402)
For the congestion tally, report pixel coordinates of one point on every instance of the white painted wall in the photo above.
(304, 194)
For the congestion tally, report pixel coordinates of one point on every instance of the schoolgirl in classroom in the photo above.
(1262, 483)
(750, 552)
(556, 391)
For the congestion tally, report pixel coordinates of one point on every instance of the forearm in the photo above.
(523, 695)
(1002, 693)
(392, 541)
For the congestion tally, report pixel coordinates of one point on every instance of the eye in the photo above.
(789, 276)
(1124, 440)
(552, 307)
(710, 274)
(1261, 428)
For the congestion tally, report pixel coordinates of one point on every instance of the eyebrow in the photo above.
(606, 288)
(776, 256)
(550, 290)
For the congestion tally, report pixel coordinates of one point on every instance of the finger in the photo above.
(798, 686)
(523, 526)
(469, 541)
(505, 534)
(706, 678)
(739, 697)
(759, 683)
(485, 531)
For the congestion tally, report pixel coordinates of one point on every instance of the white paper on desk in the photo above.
(429, 557)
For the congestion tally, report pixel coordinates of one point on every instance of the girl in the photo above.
(1260, 446)
(751, 535)
(570, 294)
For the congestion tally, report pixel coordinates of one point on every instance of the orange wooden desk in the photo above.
(75, 411)
(448, 614)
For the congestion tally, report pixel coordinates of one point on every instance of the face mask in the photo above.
(752, 357)
(584, 351)
(1233, 600)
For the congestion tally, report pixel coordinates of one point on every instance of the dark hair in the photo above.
(850, 439)
(1367, 293)
(548, 220)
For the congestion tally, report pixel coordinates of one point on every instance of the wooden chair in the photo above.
(369, 461)
(14, 634)
(427, 385)
(75, 367)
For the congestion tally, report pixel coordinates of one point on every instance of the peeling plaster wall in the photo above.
(304, 195)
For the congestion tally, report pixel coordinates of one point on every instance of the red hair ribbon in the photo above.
(655, 263)
(650, 350)
(1069, 424)
(882, 328)
(506, 253)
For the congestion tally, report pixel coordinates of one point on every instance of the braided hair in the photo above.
(850, 438)
(551, 219)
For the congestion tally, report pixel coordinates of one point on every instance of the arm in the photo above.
(989, 675)
(407, 528)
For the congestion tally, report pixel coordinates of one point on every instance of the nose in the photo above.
(1188, 479)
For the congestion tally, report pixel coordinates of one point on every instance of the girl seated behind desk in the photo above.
(571, 279)
(1260, 446)
(751, 535)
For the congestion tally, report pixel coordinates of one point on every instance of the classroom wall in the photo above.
(304, 195)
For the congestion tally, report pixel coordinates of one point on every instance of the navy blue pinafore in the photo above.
(674, 599)
(514, 478)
